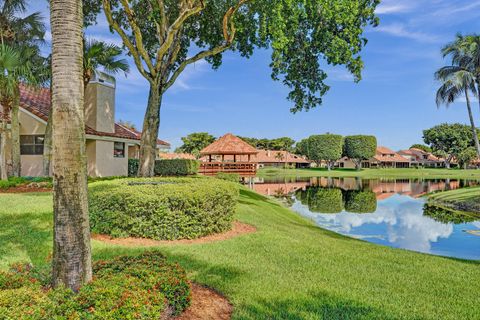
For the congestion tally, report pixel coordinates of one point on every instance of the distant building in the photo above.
(420, 158)
(384, 158)
(273, 158)
(170, 156)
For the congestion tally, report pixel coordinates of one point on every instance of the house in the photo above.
(109, 145)
(387, 158)
(274, 158)
(384, 158)
(420, 158)
(170, 156)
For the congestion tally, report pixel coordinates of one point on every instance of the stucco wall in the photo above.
(101, 161)
(100, 107)
(31, 165)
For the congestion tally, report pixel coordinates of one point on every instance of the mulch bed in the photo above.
(238, 229)
(207, 304)
(25, 189)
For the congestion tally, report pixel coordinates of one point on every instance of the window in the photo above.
(119, 150)
(31, 144)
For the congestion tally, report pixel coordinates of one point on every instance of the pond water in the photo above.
(388, 212)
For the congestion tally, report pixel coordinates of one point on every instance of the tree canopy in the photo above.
(195, 142)
(277, 144)
(359, 148)
(448, 140)
(326, 147)
(421, 147)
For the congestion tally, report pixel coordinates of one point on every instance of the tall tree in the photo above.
(195, 142)
(448, 140)
(458, 80)
(160, 35)
(325, 147)
(72, 264)
(359, 148)
(23, 33)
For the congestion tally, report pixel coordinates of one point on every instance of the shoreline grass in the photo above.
(371, 173)
(463, 200)
(288, 269)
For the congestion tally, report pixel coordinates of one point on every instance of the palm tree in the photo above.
(15, 29)
(23, 34)
(465, 51)
(15, 67)
(72, 261)
(100, 54)
(456, 82)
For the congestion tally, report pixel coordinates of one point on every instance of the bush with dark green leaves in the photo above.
(232, 177)
(360, 201)
(176, 167)
(162, 208)
(360, 147)
(445, 215)
(142, 287)
(133, 165)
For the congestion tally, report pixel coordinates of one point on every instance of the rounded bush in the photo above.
(162, 208)
(142, 287)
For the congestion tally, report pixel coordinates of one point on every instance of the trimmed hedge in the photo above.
(162, 208)
(232, 177)
(176, 167)
(142, 287)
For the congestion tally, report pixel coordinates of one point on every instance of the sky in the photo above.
(395, 101)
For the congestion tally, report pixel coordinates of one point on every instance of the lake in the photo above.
(390, 212)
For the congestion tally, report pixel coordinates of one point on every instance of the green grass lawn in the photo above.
(466, 199)
(371, 173)
(289, 269)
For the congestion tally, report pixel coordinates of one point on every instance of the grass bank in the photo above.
(288, 269)
(371, 173)
(467, 199)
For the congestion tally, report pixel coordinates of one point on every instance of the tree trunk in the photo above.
(72, 264)
(358, 164)
(3, 146)
(47, 147)
(148, 143)
(16, 165)
(472, 123)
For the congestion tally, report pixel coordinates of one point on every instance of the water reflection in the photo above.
(383, 211)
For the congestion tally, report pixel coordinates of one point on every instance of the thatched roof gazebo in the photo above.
(229, 154)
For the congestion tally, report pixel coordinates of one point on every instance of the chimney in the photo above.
(100, 103)
(268, 153)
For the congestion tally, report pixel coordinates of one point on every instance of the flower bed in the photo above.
(162, 208)
(142, 287)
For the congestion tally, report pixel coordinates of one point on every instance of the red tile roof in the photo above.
(272, 156)
(169, 156)
(37, 102)
(229, 145)
(385, 154)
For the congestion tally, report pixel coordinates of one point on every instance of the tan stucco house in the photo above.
(109, 144)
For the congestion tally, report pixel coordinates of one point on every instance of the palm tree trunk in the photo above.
(72, 265)
(472, 123)
(3, 146)
(16, 165)
(148, 143)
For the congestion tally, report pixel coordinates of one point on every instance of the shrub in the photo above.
(142, 287)
(162, 208)
(133, 165)
(176, 167)
(364, 201)
(232, 177)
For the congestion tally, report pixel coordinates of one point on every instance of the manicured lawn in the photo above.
(372, 173)
(289, 269)
(466, 199)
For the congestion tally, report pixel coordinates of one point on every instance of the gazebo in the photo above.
(229, 154)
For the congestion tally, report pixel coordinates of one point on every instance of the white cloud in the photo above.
(401, 31)
(392, 8)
